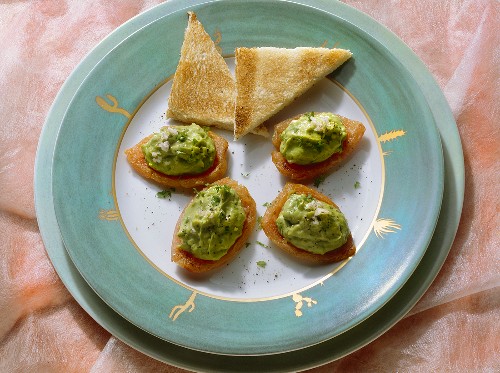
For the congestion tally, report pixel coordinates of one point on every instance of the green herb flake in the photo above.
(263, 245)
(259, 223)
(310, 115)
(266, 204)
(319, 180)
(247, 244)
(261, 263)
(167, 193)
(357, 185)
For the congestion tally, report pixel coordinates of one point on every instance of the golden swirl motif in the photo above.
(189, 305)
(325, 43)
(300, 300)
(383, 226)
(108, 215)
(391, 135)
(218, 38)
(112, 108)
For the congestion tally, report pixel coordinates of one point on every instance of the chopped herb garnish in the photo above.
(164, 194)
(259, 223)
(247, 244)
(266, 204)
(263, 245)
(167, 193)
(310, 115)
(319, 180)
(261, 264)
(357, 185)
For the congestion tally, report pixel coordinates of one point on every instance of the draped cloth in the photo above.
(454, 327)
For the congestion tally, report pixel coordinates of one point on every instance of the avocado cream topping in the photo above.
(312, 225)
(212, 222)
(312, 138)
(180, 150)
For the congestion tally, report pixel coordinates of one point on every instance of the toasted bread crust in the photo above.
(193, 264)
(203, 89)
(136, 158)
(246, 72)
(268, 79)
(271, 229)
(297, 172)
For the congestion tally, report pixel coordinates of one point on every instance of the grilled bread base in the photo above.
(271, 229)
(136, 158)
(297, 172)
(189, 262)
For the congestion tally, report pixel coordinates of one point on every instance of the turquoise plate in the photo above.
(309, 357)
(244, 310)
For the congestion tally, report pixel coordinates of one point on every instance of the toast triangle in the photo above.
(268, 79)
(203, 89)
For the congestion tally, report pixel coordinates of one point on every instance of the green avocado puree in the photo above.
(212, 222)
(312, 225)
(312, 138)
(180, 150)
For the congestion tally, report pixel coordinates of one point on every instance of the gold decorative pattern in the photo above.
(383, 226)
(325, 43)
(391, 135)
(218, 38)
(112, 108)
(299, 300)
(108, 215)
(189, 305)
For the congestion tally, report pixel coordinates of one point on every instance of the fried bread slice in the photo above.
(271, 230)
(136, 159)
(190, 262)
(268, 79)
(355, 131)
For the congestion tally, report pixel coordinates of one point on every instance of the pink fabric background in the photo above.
(454, 327)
